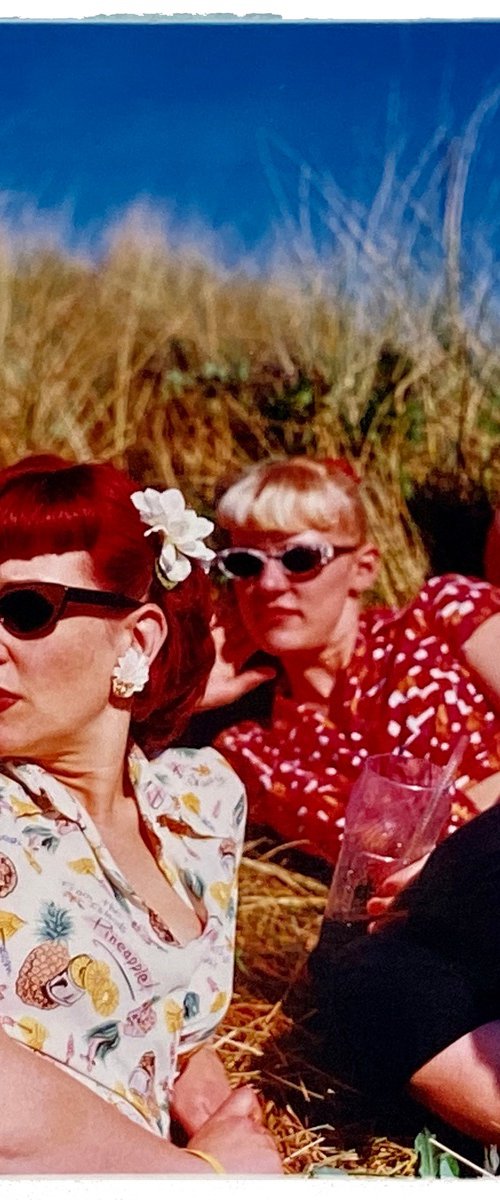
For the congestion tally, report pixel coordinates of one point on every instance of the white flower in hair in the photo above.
(180, 527)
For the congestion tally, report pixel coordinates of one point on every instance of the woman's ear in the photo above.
(149, 629)
(366, 568)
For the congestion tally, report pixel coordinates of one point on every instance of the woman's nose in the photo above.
(273, 576)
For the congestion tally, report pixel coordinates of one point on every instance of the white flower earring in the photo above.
(130, 674)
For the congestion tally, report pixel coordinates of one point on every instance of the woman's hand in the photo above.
(236, 1136)
(200, 1090)
(381, 906)
(227, 682)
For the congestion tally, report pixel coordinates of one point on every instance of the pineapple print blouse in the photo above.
(89, 976)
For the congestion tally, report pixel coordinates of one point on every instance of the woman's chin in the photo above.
(279, 641)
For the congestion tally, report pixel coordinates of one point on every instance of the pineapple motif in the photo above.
(46, 960)
(8, 875)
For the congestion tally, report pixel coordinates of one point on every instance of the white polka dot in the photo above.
(434, 741)
(363, 752)
(302, 811)
(378, 653)
(400, 657)
(420, 655)
(356, 762)
(393, 728)
(355, 736)
(422, 691)
(475, 737)
(322, 815)
(340, 822)
(410, 634)
(395, 698)
(455, 727)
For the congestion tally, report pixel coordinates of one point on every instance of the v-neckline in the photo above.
(42, 785)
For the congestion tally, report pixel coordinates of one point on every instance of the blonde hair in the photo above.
(294, 494)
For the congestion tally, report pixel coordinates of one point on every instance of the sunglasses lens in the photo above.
(242, 564)
(25, 612)
(299, 560)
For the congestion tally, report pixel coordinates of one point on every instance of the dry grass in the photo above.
(158, 358)
(264, 1039)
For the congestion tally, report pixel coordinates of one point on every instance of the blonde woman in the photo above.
(347, 680)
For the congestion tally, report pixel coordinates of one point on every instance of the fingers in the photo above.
(395, 883)
(231, 687)
(251, 679)
(385, 919)
(377, 906)
(241, 1103)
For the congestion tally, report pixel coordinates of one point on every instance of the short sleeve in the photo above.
(205, 790)
(455, 606)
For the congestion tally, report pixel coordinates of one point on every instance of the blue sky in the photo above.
(209, 119)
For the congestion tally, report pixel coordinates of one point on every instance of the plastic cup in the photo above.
(396, 812)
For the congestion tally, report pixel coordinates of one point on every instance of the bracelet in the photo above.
(212, 1162)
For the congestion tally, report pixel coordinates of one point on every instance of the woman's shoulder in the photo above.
(442, 599)
(15, 801)
(204, 761)
(203, 783)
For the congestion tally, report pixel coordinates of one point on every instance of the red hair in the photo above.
(50, 506)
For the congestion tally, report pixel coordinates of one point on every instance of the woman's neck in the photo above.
(93, 767)
(311, 674)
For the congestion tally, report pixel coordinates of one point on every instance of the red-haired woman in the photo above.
(117, 875)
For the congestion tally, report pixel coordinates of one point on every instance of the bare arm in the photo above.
(52, 1124)
(199, 1090)
(481, 652)
(462, 1083)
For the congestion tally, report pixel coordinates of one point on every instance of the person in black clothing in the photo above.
(414, 1005)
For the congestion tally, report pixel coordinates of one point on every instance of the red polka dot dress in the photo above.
(406, 688)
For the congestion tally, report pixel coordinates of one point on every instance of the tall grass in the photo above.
(377, 345)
